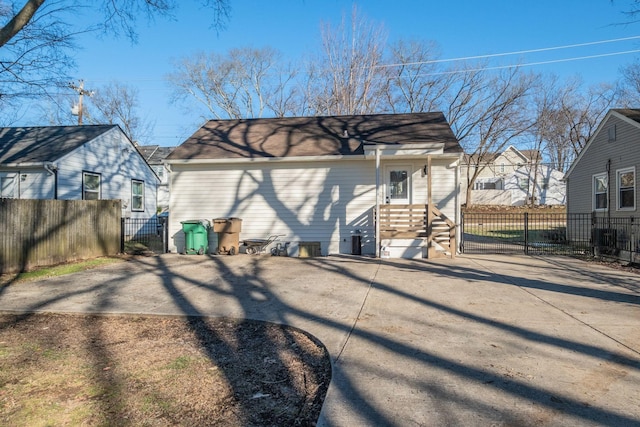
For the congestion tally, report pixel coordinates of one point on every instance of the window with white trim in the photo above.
(91, 186)
(159, 170)
(523, 183)
(626, 183)
(7, 187)
(137, 195)
(600, 192)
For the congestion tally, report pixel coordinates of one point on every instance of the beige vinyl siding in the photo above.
(306, 201)
(624, 152)
(313, 201)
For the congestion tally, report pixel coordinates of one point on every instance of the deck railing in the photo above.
(414, 221)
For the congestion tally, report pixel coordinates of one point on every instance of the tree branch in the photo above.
(19, 21)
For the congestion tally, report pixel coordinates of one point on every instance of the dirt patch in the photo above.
(59, 369)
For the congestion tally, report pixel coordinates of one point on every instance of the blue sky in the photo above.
(462, 28)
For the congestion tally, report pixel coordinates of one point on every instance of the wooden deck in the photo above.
(416, 221)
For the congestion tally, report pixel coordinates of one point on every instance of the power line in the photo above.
(520, 52)
(529, 64)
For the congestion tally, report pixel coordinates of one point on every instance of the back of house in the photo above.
(315, 181)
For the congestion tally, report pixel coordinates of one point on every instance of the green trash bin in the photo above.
(196, 236)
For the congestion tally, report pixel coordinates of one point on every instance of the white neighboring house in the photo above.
(544, 186)
(155, 156)
(514, 178)
(318, 179)
(76, 163)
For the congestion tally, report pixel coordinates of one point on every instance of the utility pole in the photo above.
(77, 109)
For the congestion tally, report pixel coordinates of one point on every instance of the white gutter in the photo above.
(263, 160)
(51, 168)
(26, 165)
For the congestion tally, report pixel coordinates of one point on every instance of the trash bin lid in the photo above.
(204, 222)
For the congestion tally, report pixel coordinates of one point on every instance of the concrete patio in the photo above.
(478, 340)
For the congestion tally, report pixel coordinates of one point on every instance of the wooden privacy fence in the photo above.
(47, 232)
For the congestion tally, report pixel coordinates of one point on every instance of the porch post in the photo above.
(377, 208)
(430, 248)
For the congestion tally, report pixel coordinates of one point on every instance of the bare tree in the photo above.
(34, 58)
(582, 111)
(36, 36)
(630, 85)
(113, 103)
(116, 103)
(488, 112)
(347, 75)
(120, 16)
(417, 81)
(243, 83)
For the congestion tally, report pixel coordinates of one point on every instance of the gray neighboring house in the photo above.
(321, 182)
(155, 155)
(602, 181)
(76, 163)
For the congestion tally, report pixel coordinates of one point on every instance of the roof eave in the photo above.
(263, 159)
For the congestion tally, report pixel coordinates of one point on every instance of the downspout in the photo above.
(53, 170)
(609, 193)
(377, 202)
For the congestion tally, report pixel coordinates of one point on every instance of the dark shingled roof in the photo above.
(632, 113)
(154, 154)
(313, 136)
(44, 144)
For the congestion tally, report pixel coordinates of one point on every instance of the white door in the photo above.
(398, 185)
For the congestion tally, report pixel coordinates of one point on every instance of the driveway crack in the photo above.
(359, 315)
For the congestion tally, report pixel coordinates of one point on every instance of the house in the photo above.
(539, 184)
(513, 177)
(323, 181)
(76, 163)
(602, 181)
(155, 157)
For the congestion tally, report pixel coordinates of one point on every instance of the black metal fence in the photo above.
(140, 235)
(616, 237)
(550, 233)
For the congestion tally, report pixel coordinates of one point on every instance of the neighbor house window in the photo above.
(90, 186)
(523, 183)
(485, 185)
(626, 188)
(159, 171)
(545, 184)
(137, 195)
(612, 133)
(600, 190)
(7, 187)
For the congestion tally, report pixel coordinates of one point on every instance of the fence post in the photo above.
(165, 235)
(526, 233)
(461, 238)
(122, 225)
(593, 233)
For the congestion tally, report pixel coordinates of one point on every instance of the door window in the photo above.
(398, 185)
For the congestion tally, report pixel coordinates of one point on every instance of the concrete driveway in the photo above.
(479, 340)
